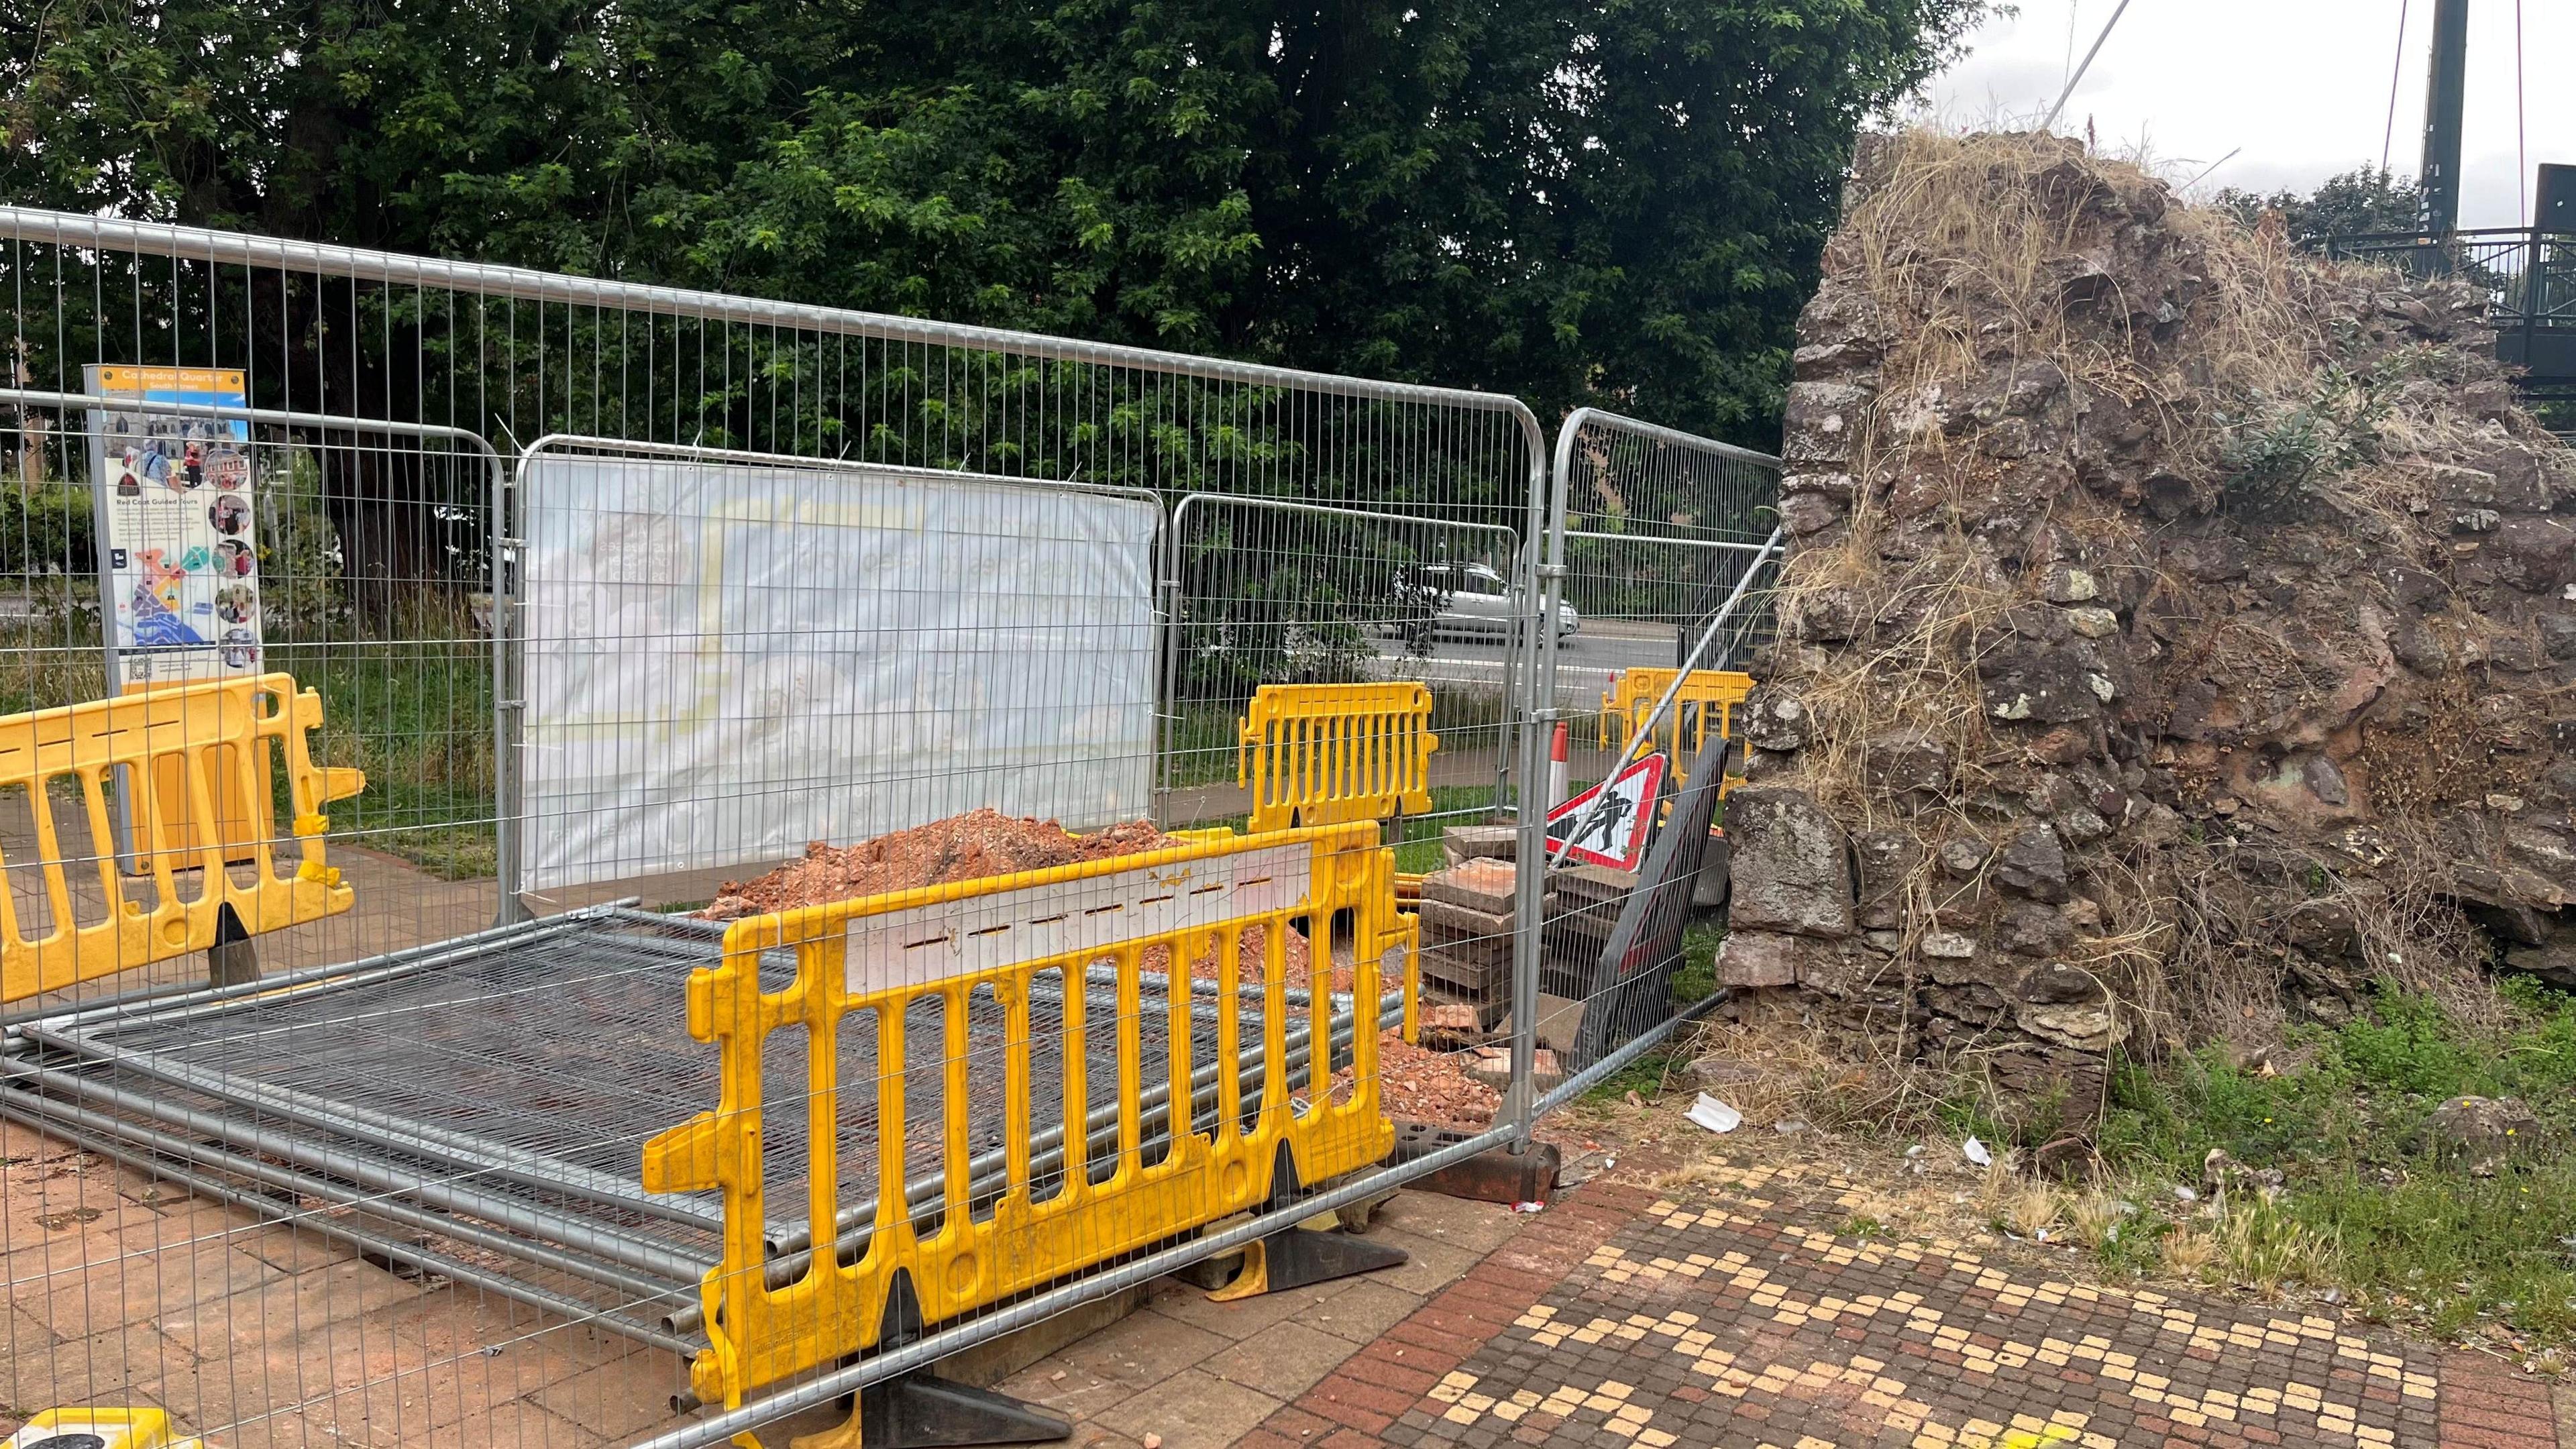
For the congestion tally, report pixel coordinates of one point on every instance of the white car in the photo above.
(1467, 599)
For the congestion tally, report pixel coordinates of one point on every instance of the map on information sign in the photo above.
(1615, 835)
(178, 556)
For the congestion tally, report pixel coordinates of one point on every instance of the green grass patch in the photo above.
(417, 717)
(1419, 857)
(1417, 852)
(2429, 1243)
(1645, 1076)
(1695, 979)
(1203, 744)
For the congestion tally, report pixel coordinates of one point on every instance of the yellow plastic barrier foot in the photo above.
(921, 1410)
(99, 1429)
(1295, 1257)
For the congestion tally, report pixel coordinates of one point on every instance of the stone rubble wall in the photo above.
(2160, 605)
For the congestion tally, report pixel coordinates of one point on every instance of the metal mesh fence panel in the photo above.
(1660, 528)
(1269, 591)
(630, 603)
(1670, 540)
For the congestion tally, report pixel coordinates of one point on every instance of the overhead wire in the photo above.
(2521, 120)
(2078, 78)
(2396, 70)
(2212, 166)
(2074, 16)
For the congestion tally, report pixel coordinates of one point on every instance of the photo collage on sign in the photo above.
(181, 561)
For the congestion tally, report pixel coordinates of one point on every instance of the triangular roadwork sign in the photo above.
(1615, 835)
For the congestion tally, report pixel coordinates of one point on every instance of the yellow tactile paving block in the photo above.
(2012, 1294)
(2052, 1342)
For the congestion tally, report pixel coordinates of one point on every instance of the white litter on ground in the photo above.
(1715, 1115)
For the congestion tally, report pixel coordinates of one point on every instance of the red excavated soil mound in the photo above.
(964, 847)
(969, 847)
(1422, 1085)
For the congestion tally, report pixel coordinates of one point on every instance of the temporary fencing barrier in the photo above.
(866, 968)
(1673, 528)
(1650, 923)
(1315, 493)
(166, 754)
(763, 680)
(1659, 527)
(1320, 754)
(1263, 591)
(565, 698)
(1703, 704)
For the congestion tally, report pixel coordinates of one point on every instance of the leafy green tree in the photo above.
(508, 129)
(1609, 201)
(2361, 202)
(514, 130)
(1612, 202)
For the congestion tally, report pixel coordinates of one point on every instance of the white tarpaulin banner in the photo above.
(725, 661)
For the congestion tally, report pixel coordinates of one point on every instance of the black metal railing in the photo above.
(2529, 275)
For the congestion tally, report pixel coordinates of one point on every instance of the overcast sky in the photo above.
(2301, 85)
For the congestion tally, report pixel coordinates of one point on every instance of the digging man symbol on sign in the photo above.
(1615, 834)
(1605, 824)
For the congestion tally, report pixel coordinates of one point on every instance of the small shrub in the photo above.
(2408, 1044)
(2275, 455)
(2263, 1246)
(1695, 979)
(2131, 1248)
(2188, 1252)
(1646, 1076)
(2095, 1218)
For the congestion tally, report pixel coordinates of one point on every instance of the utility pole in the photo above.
(2443, 97)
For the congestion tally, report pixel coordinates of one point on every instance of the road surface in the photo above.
(1585, 660)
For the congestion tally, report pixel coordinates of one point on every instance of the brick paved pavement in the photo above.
(1737, 1318)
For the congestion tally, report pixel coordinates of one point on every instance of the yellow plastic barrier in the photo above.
(1684, 733)
(947, 943)
(104, 1428)
(1321, 754)
(166, 740)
